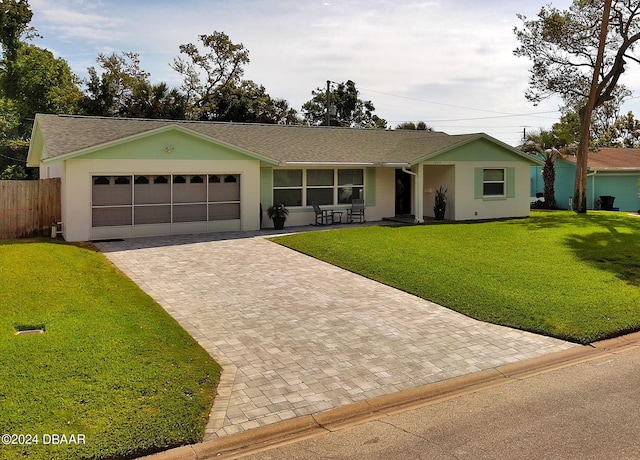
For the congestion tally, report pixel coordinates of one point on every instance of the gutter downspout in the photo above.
(405, 170)
(593, 188)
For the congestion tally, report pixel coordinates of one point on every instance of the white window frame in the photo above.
(503, 182)
(305, 187)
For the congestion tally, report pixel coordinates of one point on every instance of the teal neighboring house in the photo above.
(124, 178)
(612, 172)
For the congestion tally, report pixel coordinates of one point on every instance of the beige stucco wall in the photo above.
(455, 169)
(469, 208)
(434, 177)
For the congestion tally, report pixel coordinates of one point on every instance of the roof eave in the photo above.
(32, 161)
(327, 163)
(530, 158)
(173, 126)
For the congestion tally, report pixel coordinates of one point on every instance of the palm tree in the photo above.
(157, 101)
(544, 144)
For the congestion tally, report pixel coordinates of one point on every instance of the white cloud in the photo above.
(72, 20)
(455, 53)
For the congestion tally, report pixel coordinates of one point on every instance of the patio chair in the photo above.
(356, 211)
(323, 216)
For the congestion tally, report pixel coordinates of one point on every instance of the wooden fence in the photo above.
(29, 207)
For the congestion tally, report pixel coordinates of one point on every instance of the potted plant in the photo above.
(278, 214)
(440, 203)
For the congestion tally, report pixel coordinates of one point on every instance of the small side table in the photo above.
(339, 214)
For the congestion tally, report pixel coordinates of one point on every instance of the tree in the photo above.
(31, 80)
(248, 102)
(43, 83)
(14, 172)
(206, 74)
(15, 16)
(420, 126)
(567, 131)
(155, 101)
(111, 92)
(9, 124)
(546, 144)
(626, 132)
(604, 117)
(580, 55)
(350, 110)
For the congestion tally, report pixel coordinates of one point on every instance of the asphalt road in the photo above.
(587, 411)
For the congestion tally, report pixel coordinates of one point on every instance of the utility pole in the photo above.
(328, 103)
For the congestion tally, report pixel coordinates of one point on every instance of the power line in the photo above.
(504, 114)
(489, 118)
(11, 158)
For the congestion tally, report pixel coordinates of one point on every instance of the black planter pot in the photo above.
(278, 223)
(439, 212)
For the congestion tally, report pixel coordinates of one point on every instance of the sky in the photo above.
(448, 63)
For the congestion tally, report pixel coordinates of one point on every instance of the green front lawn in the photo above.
(111, 366)
(575, 277)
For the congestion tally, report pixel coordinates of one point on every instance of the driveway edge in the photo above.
(299, 428)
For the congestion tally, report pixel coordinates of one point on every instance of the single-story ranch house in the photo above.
(125, 178)
(610, 172)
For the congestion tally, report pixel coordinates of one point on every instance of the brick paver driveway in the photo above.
(296, 336)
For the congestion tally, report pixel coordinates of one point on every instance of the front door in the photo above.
(403, 193)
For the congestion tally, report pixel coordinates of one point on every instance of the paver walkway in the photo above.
(296, 336)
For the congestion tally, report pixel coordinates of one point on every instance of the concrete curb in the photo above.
(296, 429)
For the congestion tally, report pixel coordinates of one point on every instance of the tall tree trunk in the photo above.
(549, 177)
(580, 186)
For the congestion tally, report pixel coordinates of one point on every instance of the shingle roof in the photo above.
(612, 159)
(64, 135)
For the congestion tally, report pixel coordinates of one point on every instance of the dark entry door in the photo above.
(403, 193)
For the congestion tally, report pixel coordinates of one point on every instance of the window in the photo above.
(100, 180)
(319, 186)
(141, 180)
(287, 187)
(493, 182)
(350, 185)
(327, 187)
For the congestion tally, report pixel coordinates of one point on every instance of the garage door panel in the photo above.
(111, 194)
(190, 192)
(152, 193)
(111, 217)
(152, 215)
(224, 211)
(190, 213)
